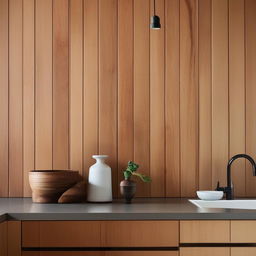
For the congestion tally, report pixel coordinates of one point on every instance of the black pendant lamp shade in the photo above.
(155, 20)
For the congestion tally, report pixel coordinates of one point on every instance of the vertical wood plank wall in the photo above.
(84, 77)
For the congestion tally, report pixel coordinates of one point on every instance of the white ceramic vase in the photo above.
(99, 182)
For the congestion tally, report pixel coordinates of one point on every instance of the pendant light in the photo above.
(155, 20)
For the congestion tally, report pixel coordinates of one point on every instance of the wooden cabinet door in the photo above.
(140, 233)
(243, 231)
(3, 238)
(141, 253)
(61, 253)
(205, 231)
(205, 251)
(243, 251)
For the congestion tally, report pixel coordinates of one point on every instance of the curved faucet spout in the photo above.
(232, 160)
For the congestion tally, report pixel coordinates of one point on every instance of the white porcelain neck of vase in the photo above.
(100, 159)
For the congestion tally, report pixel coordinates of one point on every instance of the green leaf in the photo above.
(132, 166)
(143, 177)
(127, 174)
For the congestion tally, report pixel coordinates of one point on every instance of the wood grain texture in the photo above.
(15, 99)
(141, 253)
(3, 238)
(76, 85)
(84, 77)
(30, 233)
(125, 86)
(108, 85)
(91, 82)
(60, 146)
(4, 93)
(220, 108)
(28, 92)
(172, 98)
(141, 91)
(203, 231)
(237, 92)
(140, 233)
(250, 8)
(14, 238)
(61, 233)
(245, 251)
(157, 104)
(43, 97)
(188, 97)
(208, 251)
(205, 93)
(243, 231)
(63, 253)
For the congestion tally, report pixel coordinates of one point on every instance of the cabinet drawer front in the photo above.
(61, 234)
(142, 253)
(203, 231)
(243, 231)
(243, 251)
(63, 253)
(206, 251)
(140, 233)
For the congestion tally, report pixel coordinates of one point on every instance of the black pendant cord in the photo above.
(154, 7)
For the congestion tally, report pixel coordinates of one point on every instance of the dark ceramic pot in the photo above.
(128, 190)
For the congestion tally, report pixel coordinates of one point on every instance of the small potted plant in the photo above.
(128, 186)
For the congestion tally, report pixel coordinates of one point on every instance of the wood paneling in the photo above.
(220, 103)
(188, 97)
(91, 79)
(4, 97)
(141, 91)
(140, 233)
(108, 84)
(237, 91)
(76, 85)
(84, 77)
(204, 231)
(172, 98)
(205, 93)
(14, 238)
(28, 92)
(15, 99)
(157, 104)
(208, 251)
(60, 143)
(125, 85)
(43, 88)
(250, 9)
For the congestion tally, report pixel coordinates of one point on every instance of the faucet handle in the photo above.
(218, 188)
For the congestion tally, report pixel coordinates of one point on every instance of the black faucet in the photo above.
(229, 190)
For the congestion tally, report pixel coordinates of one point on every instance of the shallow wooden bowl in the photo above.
(48, 185)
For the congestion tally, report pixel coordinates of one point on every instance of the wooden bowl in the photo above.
(48, 185)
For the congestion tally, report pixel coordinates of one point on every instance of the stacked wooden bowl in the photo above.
(48, 185)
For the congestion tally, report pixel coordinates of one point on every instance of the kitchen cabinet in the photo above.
(204, 231)
(243, 231)
(205, 251)
(243, 251)
(100, 233)
(108, 253)
(3, 238)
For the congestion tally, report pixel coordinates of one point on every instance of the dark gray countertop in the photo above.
(140, 209)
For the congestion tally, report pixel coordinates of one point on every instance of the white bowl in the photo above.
(209, 195)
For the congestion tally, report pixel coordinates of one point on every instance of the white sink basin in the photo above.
(226, 204)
